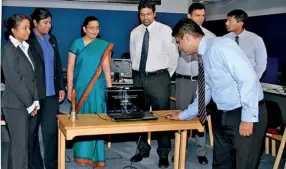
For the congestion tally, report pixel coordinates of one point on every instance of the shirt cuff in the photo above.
(249, 116)
(37, 103)
(181, 116)
(32, 107)
(186, 115)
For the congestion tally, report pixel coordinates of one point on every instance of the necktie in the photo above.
(237, 40)
(144, 52)
(202, 114)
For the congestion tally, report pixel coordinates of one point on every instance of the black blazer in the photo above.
(38, 56)
(20, 85)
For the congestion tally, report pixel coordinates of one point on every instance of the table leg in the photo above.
(210, 130)
(183, 147)
(266, 145)
(177, 150)
(109, 141)
(61, 150)
(149, 138)
(280, 150)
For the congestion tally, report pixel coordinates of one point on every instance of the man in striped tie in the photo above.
(226, 76)
(187, 79)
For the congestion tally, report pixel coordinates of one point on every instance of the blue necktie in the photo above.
(237, 40)
(144, 52)
(202, 114)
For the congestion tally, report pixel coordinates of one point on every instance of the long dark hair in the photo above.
(12, 22)
(85, 23)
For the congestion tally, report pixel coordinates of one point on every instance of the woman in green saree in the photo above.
(87, 56)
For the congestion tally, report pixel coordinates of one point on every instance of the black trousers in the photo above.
(46, 117)
(232, 151)
(17, 123)
(157, 89)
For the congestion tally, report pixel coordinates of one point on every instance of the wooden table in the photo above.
(273, 89)
(93, 125)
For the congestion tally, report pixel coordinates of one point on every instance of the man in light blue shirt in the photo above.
(252, 44)
(186, 79)
(239, 125)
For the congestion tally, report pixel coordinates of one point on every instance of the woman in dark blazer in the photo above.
(20, 97)
(49, 78)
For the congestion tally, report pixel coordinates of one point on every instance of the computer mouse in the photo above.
(167, 116)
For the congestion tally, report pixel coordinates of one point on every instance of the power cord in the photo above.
(106, 119)
(126, 167)
(159, 115)
(130, 166)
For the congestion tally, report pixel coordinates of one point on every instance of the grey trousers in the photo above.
(185, 95)
(18, 126)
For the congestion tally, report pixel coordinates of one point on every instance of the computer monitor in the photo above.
(125, 99)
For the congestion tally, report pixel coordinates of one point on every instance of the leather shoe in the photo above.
(163, 163)
(203, 160)
(138, 157)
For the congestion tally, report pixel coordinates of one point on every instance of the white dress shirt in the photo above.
(24, 46)
(163, 51)
(207, 32)
(188, 65)
(254, 48)
(230, 80)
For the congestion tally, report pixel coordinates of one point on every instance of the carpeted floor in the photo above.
(117, 157)
(124, 147)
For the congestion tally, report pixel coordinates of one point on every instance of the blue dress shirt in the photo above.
(230, 79)
(254, 48)
(48, 52)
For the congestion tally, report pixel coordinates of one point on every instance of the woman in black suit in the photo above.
(49, 79)
(20, 97)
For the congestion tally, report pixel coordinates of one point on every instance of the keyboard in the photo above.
(133, 115)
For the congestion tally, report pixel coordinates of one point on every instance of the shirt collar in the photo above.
(16, 43)
(241, 34)
(46, 36)
(150, 26)
(202, 46)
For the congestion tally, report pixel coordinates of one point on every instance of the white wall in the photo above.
(190, 2)
(252, 7)
(169, 6)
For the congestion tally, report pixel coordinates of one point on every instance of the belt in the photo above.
(261, 102)
(228, 111)
(192, 78)
(161, 71)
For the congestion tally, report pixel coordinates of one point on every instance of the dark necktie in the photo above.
(202, 114)
(144, 52)
(237, 40)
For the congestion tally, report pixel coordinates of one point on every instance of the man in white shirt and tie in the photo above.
(252, 44)
(186, 78)
(154, 55)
